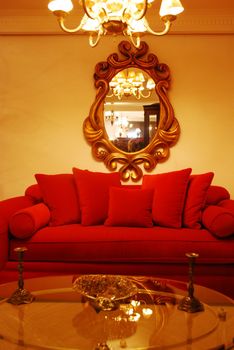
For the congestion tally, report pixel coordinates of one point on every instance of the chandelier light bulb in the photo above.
(170, 8)
(150, 84)
(60, 5)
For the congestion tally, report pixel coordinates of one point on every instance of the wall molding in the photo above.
(194, 22)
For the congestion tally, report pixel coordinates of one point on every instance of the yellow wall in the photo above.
(46, 89)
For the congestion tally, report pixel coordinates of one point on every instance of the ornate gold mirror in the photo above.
(131, 123)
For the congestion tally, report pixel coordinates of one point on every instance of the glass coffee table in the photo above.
(145, 316)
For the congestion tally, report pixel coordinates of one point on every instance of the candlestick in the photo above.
(20, 295)
(190, 303)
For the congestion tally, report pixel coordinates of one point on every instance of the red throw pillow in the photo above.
(93, 191)
(215, 194)
(25, 222)
(59, 194)
(34, 192)
(195, 199)
(169, 195)
(219, 221)
(129, 207)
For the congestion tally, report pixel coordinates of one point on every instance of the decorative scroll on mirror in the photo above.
(131, 124)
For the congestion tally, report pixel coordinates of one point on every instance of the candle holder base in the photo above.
(102, 346)
(190, 304)
(21, 296)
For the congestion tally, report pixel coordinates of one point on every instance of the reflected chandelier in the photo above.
(116, 17)
(111, 116)
(131, 84)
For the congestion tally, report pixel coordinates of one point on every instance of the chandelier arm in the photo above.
(145, 96)
(163, 32)
(85, 10)
(93, 42)
(61, 21)
(136, 42)
(137, 96)
(144, 9)
(110, 95)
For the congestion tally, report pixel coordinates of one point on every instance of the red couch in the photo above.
(88, 223)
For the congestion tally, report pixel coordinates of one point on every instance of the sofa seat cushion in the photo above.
(76, 243)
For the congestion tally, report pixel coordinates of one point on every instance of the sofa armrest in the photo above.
(7, 208)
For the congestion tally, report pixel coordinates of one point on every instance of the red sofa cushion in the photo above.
(169, 196)
(25, 222)
(195, 199)
(215, 194)
(93, 191)
(34, 192)
(129, 207)
(59, 194)
(219, 221)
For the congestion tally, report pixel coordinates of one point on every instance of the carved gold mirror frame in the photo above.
(168, 130)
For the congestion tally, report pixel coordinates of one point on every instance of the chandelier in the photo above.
(111, 116)
(131, 83)
(115, 17)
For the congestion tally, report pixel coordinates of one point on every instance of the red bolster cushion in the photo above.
(130, 208)
(24, 223)
(227, 204)
(219, 221)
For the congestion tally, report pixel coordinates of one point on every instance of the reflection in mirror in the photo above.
(131, 83)
(131, 122)
(131, 110)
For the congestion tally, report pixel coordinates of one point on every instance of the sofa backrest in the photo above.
(215, 194)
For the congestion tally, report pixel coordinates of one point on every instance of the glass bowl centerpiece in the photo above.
(106, 291)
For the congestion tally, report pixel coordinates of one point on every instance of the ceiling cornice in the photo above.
(194, 22)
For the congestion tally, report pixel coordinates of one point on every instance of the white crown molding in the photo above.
(209, 22)
(194, 22)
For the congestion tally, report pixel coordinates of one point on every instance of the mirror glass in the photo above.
(131, 110)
